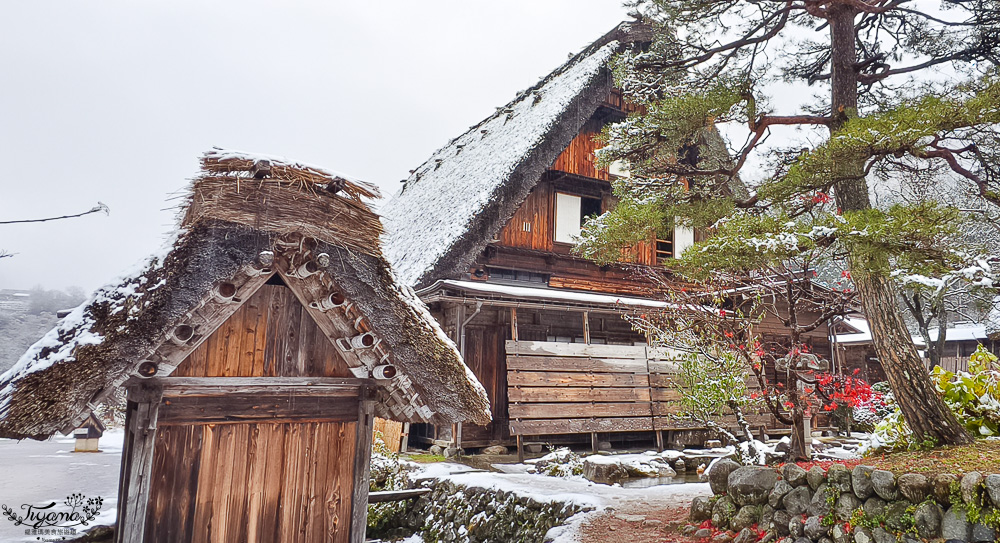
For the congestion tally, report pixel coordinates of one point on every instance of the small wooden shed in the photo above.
(256, 349)
(88, 435)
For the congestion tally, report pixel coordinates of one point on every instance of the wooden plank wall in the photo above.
(271, 335)
(531, 225)
(566, 388)
(255, 482)
(569, 388)
(578, 157)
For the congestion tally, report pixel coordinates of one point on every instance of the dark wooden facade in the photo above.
(260, 434)
(596, 374)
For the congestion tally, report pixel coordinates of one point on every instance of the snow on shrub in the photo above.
(974, 397)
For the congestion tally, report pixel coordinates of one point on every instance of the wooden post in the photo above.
(586, 327)
(362, 466)
(659, 440)
(142, 439)
(593, 442)
(456, 435)
(404, 437)
(520, 449)
(513, 323)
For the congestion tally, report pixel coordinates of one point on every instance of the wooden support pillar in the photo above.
(141, 439)
(456, 435)
(659, 440)
(593, 442)
(362, 474)
(586, 327)
(404, 437)
(520, 449)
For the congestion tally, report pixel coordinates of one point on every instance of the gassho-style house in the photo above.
(256, 348)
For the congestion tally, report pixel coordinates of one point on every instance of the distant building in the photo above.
(855, 350)
(14, 301)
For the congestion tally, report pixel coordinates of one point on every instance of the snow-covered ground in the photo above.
(41, 472)
(573, 489)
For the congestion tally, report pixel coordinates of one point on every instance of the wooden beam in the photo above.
(580, 426)
(143, 440)
(270, 407)
(362, 467)
(171, 385)
(520, 449)
(586, 327)
(384, 496)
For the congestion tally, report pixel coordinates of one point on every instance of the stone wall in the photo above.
(468, 514)
(844, 505)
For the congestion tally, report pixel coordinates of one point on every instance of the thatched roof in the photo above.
(458, 200)
(239, 230)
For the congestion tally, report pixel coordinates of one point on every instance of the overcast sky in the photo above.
(113, 101)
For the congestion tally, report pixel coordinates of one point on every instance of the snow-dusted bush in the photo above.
(387, 473)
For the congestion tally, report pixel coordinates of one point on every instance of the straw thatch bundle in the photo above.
(275, 195)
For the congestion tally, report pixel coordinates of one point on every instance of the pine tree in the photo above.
(884, 115)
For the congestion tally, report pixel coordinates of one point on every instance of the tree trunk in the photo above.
(924, 411)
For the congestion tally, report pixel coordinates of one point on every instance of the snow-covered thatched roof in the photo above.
(248, 218)
(458, 200)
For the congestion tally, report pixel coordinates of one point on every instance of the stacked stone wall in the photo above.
(845, 505)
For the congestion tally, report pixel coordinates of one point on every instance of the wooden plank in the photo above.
(291, 490)
(660, 380)
(666, 394)
(573, 394)
(269, 527)
(663, 367)
(250, 318)
(342, 484)
(362, 451)
(243, 408)
(575, 364)
(258, 452)
(228, 384)
(559, 379)
(551, 348)
(674, 423)
(667, 408)
(577, 410)
(579, 426)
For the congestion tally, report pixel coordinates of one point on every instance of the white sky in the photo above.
(115, 100)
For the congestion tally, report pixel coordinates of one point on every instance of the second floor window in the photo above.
(571, 210)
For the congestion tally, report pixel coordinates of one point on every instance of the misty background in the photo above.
(114, 101)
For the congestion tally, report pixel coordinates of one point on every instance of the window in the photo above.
(664, 250)
(501, 274)
(571, 210)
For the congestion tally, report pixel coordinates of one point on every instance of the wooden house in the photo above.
(484, 229)
(256, 349)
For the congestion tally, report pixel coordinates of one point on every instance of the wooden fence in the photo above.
(570, 388)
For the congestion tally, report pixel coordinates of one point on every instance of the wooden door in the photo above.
(258, 482)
